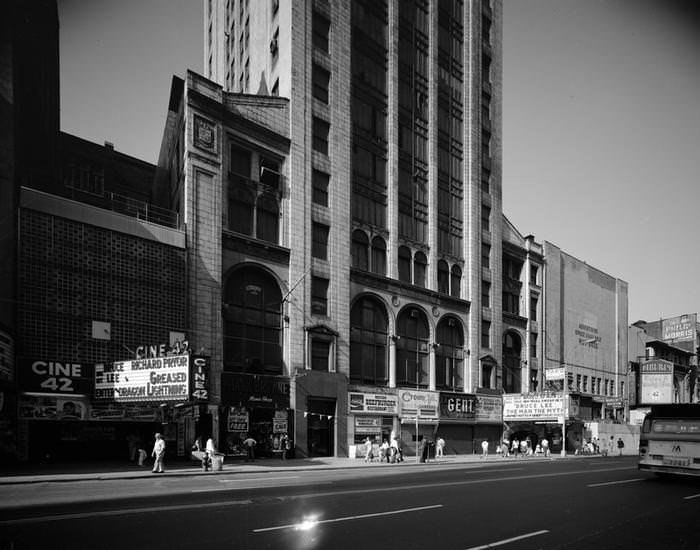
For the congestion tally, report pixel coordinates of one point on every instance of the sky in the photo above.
(601, 121)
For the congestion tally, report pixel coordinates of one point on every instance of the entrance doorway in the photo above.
(320, 422)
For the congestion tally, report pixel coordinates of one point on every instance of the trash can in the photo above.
(217, 462)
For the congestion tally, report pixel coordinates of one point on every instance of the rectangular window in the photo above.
(319, 296)
(240, 161)
(320, 181)
(485, 218)
(533, 308)
(320, 135)
(321, 31)
(533, 274)
(319, 246)
(585, 383)
(485, 334)
(320, 81)
(320, 353)
(533, 344)
(485, 294)
(485, 255)
(578, 382)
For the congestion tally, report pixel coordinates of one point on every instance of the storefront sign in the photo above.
(368, 425)
(679, 329)
(423, 403)
(489, 409)
(153, 379)
(533, 406)
(457, 406)
(372, 403)
(59, 377)
(250, 388)
(280, 426)
(200, 378)
(238, 420)
(656, 381)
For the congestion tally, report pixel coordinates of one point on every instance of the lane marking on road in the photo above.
(507, 541)
(256, 479)
(692, 496)
(443, 484)
(616, 482)
(347, 518)
(125, 512)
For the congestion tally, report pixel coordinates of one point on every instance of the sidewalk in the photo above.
(41, 473)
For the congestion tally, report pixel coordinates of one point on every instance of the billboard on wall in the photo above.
(533, 406)
(679, 329)
(656, 382)
(586, 316)
(425, 404)
(489, 409)
(140, 380)
(378, 403)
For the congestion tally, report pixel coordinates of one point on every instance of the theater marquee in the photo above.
(152, 379)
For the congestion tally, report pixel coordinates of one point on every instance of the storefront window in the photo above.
(448, 355)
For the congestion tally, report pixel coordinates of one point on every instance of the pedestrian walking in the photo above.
(545, 446)
(394, 449)
(368, 450)
(159, 454)
(142, 454)
(284, 445)
(440, 452)
(384, 451)
(505, 448)
(484, 449)
(611, 446)
(209, 453)
(620, 445)
(515, 447)
(249, 443)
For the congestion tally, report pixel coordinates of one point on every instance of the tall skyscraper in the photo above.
(393, 215)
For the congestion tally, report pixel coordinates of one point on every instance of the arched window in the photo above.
(268, 219)
(240, 210)
(360, 245)
(252, 322)
(512, 374)
(449, 358)
(368, 343)
(412, 348)
(404, 264)
(455, 282)
(379, 256)
(443, 277)
(420, 263)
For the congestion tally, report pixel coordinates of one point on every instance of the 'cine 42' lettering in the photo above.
(58, 384)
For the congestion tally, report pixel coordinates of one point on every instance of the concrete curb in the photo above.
(347, 463)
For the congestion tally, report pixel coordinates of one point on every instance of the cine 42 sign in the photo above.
(50, 376)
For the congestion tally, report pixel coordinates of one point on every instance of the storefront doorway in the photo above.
(320, 423)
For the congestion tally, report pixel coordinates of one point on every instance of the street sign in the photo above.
(556, 373)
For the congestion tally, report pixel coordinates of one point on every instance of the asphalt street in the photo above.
(579, 504)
